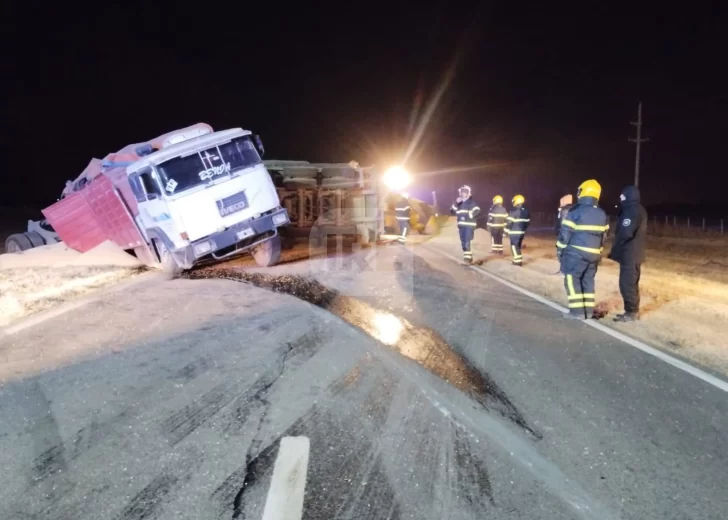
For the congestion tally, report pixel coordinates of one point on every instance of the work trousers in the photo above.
(629, 286)
(466, 237)
(496, 240)
(516, 243)
(404, 228)
(580, 284)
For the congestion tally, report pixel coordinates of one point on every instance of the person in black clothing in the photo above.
(497, 216)
(403, 211)
(565, 204)
(466, 210)
(579, 249)
(516, 226)
(629, 250)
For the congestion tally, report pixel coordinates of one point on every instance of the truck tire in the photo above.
(268, 253)
(167, 260)
(35, 238)
(17, 243)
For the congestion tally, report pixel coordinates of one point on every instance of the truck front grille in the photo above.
(233, 203)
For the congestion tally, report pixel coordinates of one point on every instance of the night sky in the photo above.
(529, 99)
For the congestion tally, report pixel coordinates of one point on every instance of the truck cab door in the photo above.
(153, 208)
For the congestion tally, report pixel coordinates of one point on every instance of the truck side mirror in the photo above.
(259, 145)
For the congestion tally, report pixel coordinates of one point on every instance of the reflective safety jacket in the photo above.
(466, 211)
(517, 221)
(497, 216)
(402, 209)
(583, 230)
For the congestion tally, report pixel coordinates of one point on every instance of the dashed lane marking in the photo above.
(285, 495)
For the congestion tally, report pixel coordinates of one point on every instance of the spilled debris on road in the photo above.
(423, 345)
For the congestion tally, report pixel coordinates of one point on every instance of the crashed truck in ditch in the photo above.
(176, 200)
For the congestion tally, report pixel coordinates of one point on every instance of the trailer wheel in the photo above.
(268, 253)
(35, 238)
(166, 259)
(17, 243)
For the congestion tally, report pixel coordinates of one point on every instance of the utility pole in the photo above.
(639, 140)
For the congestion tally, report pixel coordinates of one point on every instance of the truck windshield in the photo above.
(182, 173)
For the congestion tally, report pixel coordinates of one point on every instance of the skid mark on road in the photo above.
(420, 344)
(148, 502)
(362, 419)
(183, 422)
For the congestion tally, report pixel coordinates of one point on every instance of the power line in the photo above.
(639, 141)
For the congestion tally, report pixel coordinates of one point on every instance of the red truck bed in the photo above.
(97, 213)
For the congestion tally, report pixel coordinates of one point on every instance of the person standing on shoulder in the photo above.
(466, 211)
(516, 226)
(579, 249)
(497, 216)
(629, 250)
(403, 211)
(565, 204)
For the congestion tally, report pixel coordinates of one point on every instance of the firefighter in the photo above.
(516, 225)
(629, 250)
(466, 211)
(565, 204)
(496, 224)
(579, 249)
(403, 210)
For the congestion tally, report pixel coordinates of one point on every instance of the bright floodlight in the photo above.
(397, 178)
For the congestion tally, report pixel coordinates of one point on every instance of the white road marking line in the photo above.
(685, 367)
(285, 495)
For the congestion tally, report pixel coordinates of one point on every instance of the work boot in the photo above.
(627, 317)
(570, 316)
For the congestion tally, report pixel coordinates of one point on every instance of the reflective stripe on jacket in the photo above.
(403, 209)
(583, 230)
(517, 221)
(466, 212)
(497, 216)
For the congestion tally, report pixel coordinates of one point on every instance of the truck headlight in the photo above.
(279, 219)
(203, 248)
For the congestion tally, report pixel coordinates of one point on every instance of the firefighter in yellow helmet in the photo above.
(496, 224)
(516, 225)
(579, 249)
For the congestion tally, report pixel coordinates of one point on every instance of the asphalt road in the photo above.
(393, 383)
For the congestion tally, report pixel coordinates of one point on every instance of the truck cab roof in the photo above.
(186, 147)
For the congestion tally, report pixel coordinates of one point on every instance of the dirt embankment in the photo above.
(684, 289)
(41, 278)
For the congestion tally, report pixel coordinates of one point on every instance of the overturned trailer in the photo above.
(329, 199)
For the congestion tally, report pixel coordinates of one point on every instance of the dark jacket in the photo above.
(403, 210)
(517, 221)
(466, 212)
(497, 217)
(561, 215)
(583, 230)
(631, 233)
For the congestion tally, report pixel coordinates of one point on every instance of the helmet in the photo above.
(590, 188)
(465, 188)
(497, 199)
(518, 200)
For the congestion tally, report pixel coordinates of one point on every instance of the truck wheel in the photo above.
(268, 253)
(166, 259)
(35, 238)
(17, 243)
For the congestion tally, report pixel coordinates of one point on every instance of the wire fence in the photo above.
(657, 225)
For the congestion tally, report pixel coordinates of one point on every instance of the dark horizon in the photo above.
(539, 97)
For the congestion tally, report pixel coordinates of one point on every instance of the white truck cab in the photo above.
(207, 194)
